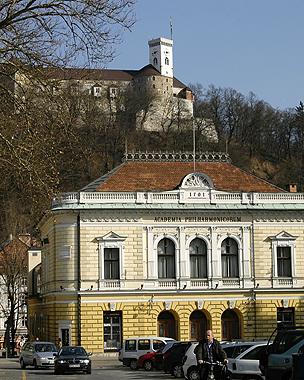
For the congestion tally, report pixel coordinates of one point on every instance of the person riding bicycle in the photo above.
(208, 351)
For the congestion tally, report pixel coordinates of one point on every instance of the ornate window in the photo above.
(111, 263)
(283, 253)
(230, 258)
(166, 258)
(155, 61)
(284, 261)
(198, 258)
(111, 256)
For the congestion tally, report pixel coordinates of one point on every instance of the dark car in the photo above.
(277, 360)
(72, 359)
(173, 359)
(158, 360)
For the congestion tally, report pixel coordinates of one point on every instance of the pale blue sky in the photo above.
(248, 45)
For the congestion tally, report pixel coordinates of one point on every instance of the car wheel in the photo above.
(193, 374)
(148, 365)
(89, 371)
(35, 364)
(133, 364)
(177, 371)
(57, 371)
(22, 364)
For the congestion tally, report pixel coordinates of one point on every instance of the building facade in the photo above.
(159, 100)
(164, 245)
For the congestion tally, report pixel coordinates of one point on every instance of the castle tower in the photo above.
(161, 55)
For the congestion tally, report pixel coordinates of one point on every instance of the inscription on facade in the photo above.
(196, 219)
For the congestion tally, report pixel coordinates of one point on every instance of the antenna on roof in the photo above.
(126, 147)
(171, 29)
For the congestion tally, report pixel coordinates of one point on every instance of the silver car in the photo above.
(37, 354)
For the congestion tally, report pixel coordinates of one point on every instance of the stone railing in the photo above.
(176, 197)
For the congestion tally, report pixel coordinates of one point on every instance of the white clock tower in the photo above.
(161, 55)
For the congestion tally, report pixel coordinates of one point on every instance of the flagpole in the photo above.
(193, 129)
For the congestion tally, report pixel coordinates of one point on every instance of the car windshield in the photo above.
(74, 351)
(42, 347)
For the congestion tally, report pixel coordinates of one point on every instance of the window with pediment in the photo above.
(230, 258)
(111, 263)
(166, 258)
(283, 253)
(198, 258)
(111, 256)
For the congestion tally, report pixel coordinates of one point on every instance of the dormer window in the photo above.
(166, 61)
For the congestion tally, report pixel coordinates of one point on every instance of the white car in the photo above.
(243, 360)
(37, 354)
(135, 347)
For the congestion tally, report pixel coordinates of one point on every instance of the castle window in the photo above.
(166, 61)
(155, 61)
(113, 92)
(153, 78)
(97, 91)
(153, 85)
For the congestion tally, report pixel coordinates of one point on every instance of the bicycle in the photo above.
(224, 375)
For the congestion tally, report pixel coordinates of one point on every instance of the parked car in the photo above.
(277, 361)
(146, 361)
(135, 347)
(37, 354)
(158, 360)
(240, 366)
(173, 359)
(72, 359)
(244, 364)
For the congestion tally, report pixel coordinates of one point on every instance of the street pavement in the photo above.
(102, 369)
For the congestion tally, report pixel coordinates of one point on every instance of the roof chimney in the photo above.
(292, 187)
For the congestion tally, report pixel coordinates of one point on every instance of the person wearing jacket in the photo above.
(207, 351)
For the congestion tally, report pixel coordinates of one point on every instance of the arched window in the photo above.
(230, 325)
(155, 61)
(166, 258)
(167, 325)
(198, 258)
(230, 258)
(166, 61)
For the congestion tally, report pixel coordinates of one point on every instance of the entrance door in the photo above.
(64, 329)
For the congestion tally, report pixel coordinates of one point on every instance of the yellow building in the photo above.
(165, 246)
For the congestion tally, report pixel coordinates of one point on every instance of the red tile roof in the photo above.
(166, 176)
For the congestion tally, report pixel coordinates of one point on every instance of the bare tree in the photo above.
(57, 31)
(13, 271)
